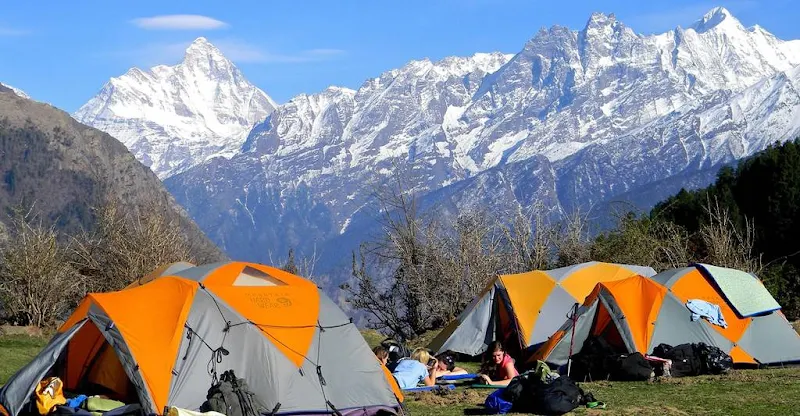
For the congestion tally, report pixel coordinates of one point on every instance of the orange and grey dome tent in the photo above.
(523, 310)
(162, 341)
(638, 314)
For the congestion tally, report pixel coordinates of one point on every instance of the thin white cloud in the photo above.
(682, 16)
(179, 22)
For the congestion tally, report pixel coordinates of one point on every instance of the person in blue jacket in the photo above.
(409, 372)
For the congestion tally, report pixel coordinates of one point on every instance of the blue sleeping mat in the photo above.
(430, 388)
(457, 377)
(743, 291)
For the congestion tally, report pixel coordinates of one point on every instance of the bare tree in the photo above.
(725, 244)
(571, 240)
(528, 240)
(37, 282)
(128, 245)
(644, 241)
(304, 266)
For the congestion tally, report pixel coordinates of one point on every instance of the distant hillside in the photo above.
(64, 169)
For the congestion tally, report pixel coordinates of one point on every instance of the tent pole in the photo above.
(573, 316)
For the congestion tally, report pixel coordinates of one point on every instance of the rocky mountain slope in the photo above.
(63, 169)
(576, 119)
(173, 117)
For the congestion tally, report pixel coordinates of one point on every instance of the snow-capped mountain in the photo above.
(576, 118)
(173, 117)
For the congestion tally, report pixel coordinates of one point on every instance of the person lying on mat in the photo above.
(498, 367)
(446, 366)
(410, 371)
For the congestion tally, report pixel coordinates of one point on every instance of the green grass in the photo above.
(742, 392)
(16, 351)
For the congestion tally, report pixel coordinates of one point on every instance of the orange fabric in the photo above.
(639, 299)
(527, 292)
(3, 410)
(693, 285)
(393, 384)
(108, 372)
(545, 349)
(601, 320)
(580, 283)
(81, 351)
(152, 333)
(287, 314)
(739, 356)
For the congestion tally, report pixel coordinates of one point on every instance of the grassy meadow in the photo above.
(742, 392)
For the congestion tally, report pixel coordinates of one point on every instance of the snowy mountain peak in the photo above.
(718, 17)
(173, 117)
(16, 91)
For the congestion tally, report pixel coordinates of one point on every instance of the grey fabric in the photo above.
(253, 355)
(475, 330)
(553, 313)
(674, 327)
(770, 339)
(583, 327)
(111, 333)
(177, 267)
(667, 278)
(561, 273)
(21, 385)
(618, 318)
(199, 273)
(353, 376)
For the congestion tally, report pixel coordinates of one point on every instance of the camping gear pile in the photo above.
(198, 337)
(539, 391)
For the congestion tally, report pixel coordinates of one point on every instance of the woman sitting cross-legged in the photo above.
(410, 371)
(498, 367)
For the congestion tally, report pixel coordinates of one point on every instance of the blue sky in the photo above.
(62, 52)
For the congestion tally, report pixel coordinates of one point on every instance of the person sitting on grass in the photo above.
(498, 367)
(446, 366)
(381, 353)
(411, 371)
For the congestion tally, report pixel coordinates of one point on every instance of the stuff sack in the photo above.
(495, 403)
(560, 396)
(629, 367)
(49, 394)
(231, 397)
(714, 360)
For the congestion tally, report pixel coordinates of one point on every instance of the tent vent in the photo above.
(254, 277)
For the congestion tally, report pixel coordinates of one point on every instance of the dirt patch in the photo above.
(30, 331)
(449, 397)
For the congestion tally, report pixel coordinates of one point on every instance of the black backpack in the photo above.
(529, 394)
(628, 367)
(397, 351)
(231, 397)
(715, 361)
(686, 360)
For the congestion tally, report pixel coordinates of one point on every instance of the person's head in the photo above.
(445, 361)
(422, 355)
(382, 353)
(495, 353)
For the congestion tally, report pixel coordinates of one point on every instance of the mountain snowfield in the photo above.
(576, 119)
(173, 117)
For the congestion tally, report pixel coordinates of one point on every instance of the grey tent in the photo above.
(638, 314)
(163, 342)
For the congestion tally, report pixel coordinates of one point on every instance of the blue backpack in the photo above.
(496, 404)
